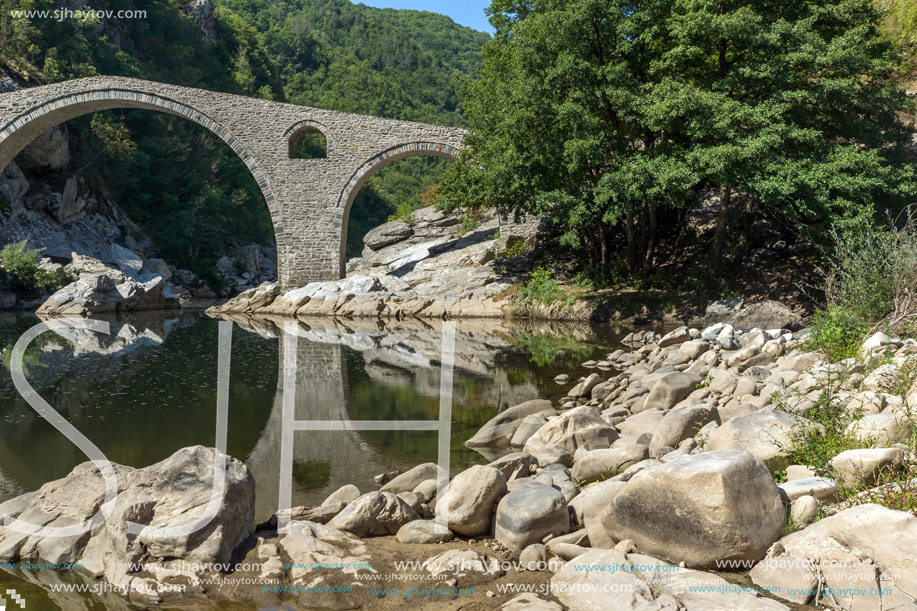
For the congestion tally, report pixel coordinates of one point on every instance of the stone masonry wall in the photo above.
(309, 199)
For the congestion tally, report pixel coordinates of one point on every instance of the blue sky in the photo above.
(465, 12)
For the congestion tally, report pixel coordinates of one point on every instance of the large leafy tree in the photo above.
(601, 113)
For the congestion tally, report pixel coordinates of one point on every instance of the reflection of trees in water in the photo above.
(137, 404)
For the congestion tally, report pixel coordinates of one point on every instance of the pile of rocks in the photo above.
(426, 268)
(675, 457)
(625, 493)
(121, 281)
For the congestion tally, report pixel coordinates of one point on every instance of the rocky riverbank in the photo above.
(429, 268)
(724, 467)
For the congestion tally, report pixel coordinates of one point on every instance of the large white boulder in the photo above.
(700, 509)
(861, 558)
(469, 500)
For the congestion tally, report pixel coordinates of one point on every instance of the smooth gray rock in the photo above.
(669, 390)
(344, 494)
(124, 259)
(699, 509)
(766, 433)
(387, 234)
(529, 513)
(603, 464)
(407, 481)
(423, 531)
(374, 514)
(841, 553)
(469, 500)
(499, 430)
(682, 423)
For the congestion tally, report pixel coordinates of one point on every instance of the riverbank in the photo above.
(729, 448)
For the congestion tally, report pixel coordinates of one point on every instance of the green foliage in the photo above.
(815, 446)
(606, 114)
(312, 145)
(900, 26)
(540, 288)
(186, 190)
(355, 58)
(544, 348)
(515, 247)
(20, 264)
(838, 332)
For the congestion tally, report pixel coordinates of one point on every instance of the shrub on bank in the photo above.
(870, 286)
(22, 271)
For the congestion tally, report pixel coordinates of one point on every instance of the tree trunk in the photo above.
(651, 240)
(603, 244)
(722, 225)
(630, 231)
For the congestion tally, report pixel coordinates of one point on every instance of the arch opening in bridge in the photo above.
(368, 169)
(307, 140)
(18, 134)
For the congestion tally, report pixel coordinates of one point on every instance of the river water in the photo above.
(140, 388)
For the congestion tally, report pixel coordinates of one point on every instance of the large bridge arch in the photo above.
(384, 159)
(17, 134)
(308, 200)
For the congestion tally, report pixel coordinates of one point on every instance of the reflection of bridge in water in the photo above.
(407, 355)
(359, 370)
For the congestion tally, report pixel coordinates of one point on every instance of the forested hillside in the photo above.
(328, 53)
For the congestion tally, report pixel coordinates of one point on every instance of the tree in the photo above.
(600, 113)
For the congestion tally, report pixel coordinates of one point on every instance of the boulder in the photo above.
(767, 314)
(670, 389)
(672, 338)
(881, 430)
(499, 430)
(683, 423)
(865, 465)
(594, 465)
(804, 510)
(374, 514)
(424, 531)
(822, 488)
(565, 430)
(528, 514)
(468, 501)
(528, 427)
(766, 433)
(610, 579)
(843, 557)
(344, 494)
(158, 267)
(700, 509)
(694, 348)
(515, 465)
(171, 494)
(588, 507)
(387, 234)
(124, 259)
(719, 311)
(407, 481)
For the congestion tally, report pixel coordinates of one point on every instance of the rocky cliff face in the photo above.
(429, 268)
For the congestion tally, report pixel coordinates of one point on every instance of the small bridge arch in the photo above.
(309, 200)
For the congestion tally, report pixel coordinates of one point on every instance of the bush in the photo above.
(873, 276)
(22, 270)
(839, 333)
(541, 288)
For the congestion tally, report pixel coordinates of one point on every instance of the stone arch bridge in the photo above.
(309, 199)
